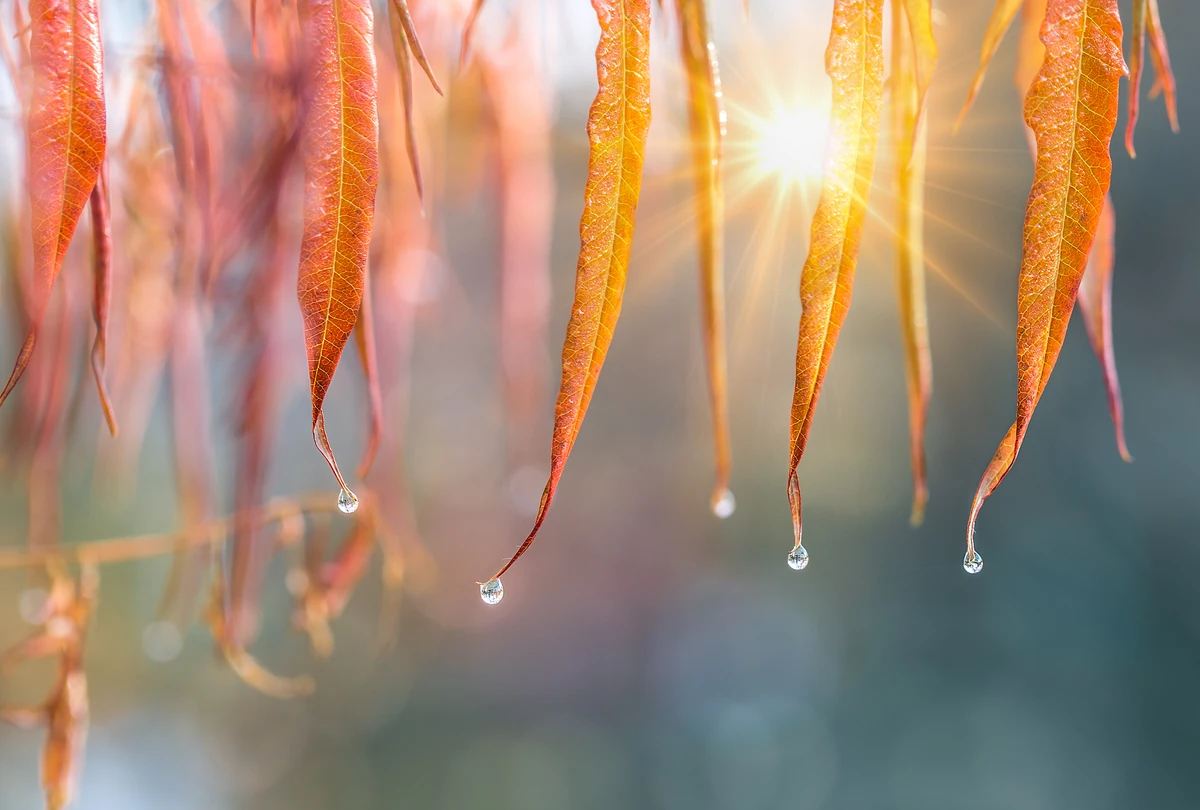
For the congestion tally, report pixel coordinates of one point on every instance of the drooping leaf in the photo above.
(520, 104)
(102, 289)
(1137, 62)
(404, 73)
(464, 50)
(909, 137)
(1095, 305)
(617, 126)
(925, 51)
(341, 171)
(854, 61)
(364, 341)
(706, 121)
(66, 140)
(414, 41)
(1072, 111)
(1001, 19)
(1164, 79)
(1096, 285)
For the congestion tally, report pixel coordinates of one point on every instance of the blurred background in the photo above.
(646, 654)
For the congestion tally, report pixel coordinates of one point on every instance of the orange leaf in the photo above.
(920, 29)
(910, 139)
(66, 141)
(1072, 111)
(1137, 53)
(404, 72)
(617, 126)
(1164, 78)
(414, 42)
(341, 172)
(706, 119)
(1095, 305)
(1001, 19)
(854, 61)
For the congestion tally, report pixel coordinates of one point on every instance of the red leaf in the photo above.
(67, 140)
(341, 172)
(1095, 305)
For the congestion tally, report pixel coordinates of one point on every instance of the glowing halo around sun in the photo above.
(790, 144)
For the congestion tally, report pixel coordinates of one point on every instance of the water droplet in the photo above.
(798, 558)
(32, 605)
(972, 562)
(161, 641)
(724, 505)
(347, 501)
(491, 591)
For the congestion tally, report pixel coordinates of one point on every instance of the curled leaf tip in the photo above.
(1002, 17)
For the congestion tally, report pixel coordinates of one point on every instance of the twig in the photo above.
(140, 547)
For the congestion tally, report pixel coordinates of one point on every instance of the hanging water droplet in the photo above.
(798, 558)
(161, 641)
(491, 591)
(724, 505)
(347, 501)
(972, 562)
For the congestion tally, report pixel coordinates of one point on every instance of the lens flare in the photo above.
(791, 143)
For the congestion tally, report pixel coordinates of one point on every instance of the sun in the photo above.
(790, 144)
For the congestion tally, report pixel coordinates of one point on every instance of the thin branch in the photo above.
(140, 547)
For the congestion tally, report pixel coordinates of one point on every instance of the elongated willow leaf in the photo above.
(1072, 111)
(414, 41)
(925, 51)
(910, 143)
(1146, 19)
(706, 120)
(404, 73)
(341, 172)
(102, 289)
(1095, 305)
(464, 50)
(1164, 78)
(1001, 19)
(1096, 286)
(364, 342)
(617, 126)
(520, 103)
(66, 141)
(854, 61)
(1137, 62)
